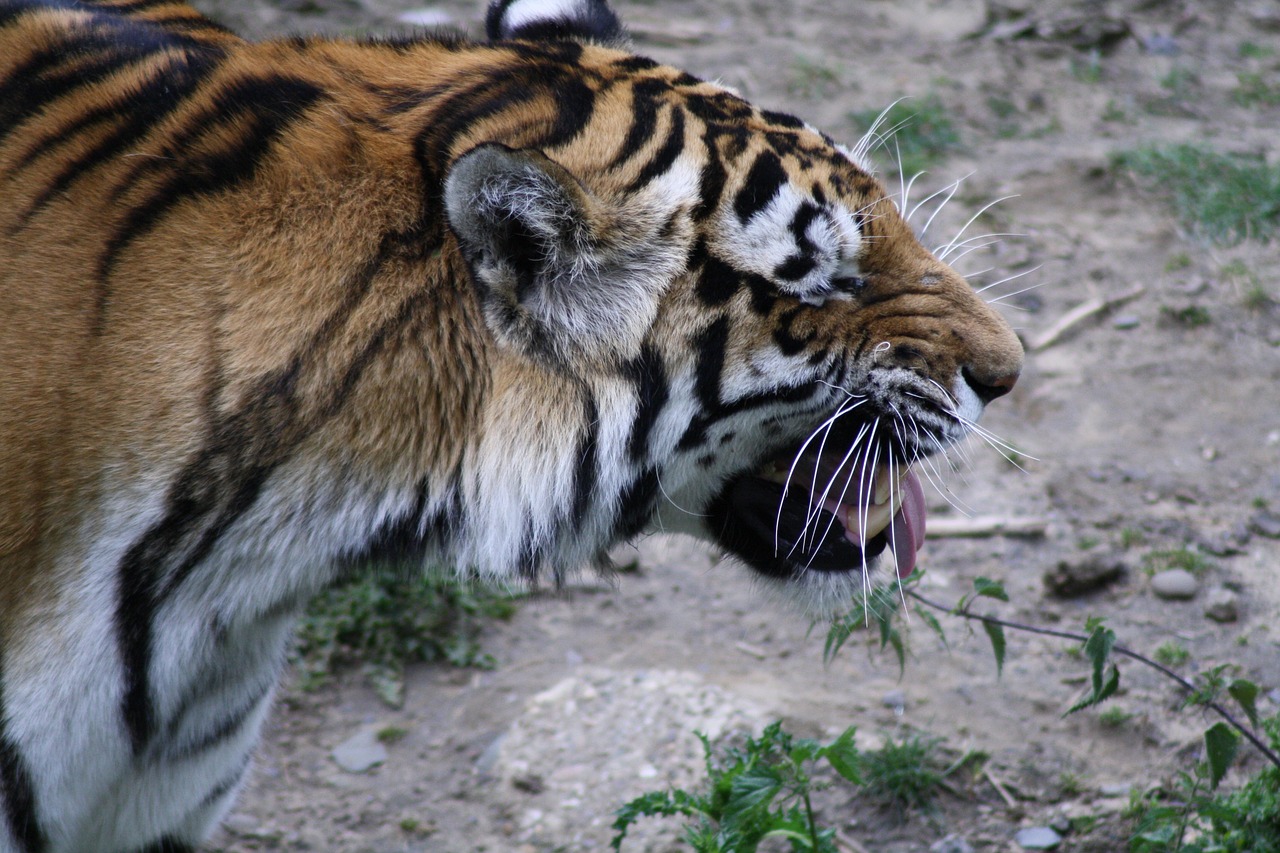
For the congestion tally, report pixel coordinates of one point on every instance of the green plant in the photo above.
(919, 133)
(1190, 317)
(1227, 198)
(756, 793)
(1193, 818)
(1131, 537)
(1180, 82)
(1114, 717)
(1087, 69)
(1256, 90)
(1177, 261)
(1252, 50)
(391, 734)
(1176, 558)
(811, 78)
(904, 774)
(1172, 653)
(386, 620)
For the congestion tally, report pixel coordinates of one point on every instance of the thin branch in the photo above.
(1129, 653)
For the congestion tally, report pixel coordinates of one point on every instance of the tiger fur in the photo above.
(273, 312)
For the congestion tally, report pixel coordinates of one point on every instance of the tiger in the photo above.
(278, 312)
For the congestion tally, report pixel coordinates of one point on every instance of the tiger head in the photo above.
(749, 340)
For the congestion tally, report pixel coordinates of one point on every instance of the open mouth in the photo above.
(814, 514)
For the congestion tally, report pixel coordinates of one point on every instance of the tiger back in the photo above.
(277, 312)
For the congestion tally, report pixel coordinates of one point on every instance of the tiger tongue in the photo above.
(905, 528)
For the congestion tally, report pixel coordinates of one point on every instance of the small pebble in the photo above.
(1120, 789)
(1126, 321)
(1266, 523)
(895, 699)
(1222, 605)
(1037, 838)
(1175, 584)
(360, 753)
(951, 844)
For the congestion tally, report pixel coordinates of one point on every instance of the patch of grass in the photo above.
(391, 734)
(386, 620)
(1180, 82)
(1172, 653)
(1087, 69)
(1257, 90)
(1177, 558)
(1253, 50)
(1114, 113)
(1177, 262)
(923, 134)
(1191, 317)
(1227, 198)
(1253, 293)
(904, 774)
(1084, 543)
(1113, 717)
(812, 78)
(1131, 537)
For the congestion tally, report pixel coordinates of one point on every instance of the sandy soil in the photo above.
(1136, 433)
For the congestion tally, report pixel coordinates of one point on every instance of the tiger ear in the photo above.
(554, 20)
(545, 256)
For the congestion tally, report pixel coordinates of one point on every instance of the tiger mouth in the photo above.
(811, 514)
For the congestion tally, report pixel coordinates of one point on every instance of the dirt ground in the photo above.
(1135, 433)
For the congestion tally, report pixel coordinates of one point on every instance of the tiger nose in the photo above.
(990, 387)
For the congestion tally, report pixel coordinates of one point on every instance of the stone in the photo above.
(1175, 585)
(1038, 838)
(951, 844)
(360, 753)
(1072, 578)
(1265, 522)
(1222, 605)
(895, 699)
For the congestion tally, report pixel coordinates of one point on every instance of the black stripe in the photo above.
(636, 505)
(648, 375)
(144, 109)
(788, 343)
(59, 71)
(16, 788)
(718, 281)
(795, 267)
(666, 155)
(644, 119)
(221, 484)
(763, 182)
(710, 346)
(712, 180)
(575, 103)
(222, 788)
(268, 105)
(586, 476)
(226, 727)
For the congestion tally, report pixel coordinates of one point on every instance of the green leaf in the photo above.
(1105, 685)
(996, 633)
(843, 756)
(1246, 693)
(753, 790)
(1220, 744)
(932, 621)
(989, 588)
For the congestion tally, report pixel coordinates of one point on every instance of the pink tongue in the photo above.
(906, 531)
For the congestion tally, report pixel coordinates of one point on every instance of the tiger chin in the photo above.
(274, 312)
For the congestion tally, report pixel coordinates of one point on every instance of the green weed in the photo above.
(1087, 69)
(1257, 90)
(923, 134)
(1177, 558)
(1191, 317)
(1177, 262)
(1113, 717)
(386, 620)
(752, 794)
(1252, 50)
(904, 774)
(1194, 818)
(1226, 198)
(1131, 537)
(1172, 653)
(812, 78)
